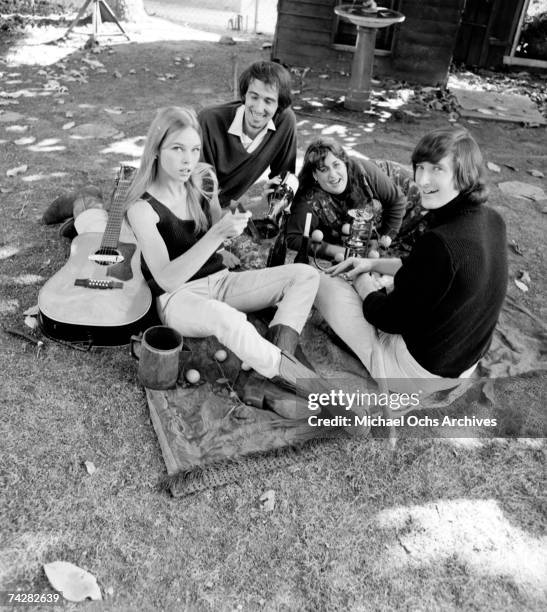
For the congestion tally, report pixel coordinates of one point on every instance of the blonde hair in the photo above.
(202, 185)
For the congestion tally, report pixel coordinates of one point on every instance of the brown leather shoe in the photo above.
(304, 382)
(284, 337)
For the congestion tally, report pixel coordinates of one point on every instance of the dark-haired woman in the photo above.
(438, 321)
(331, 184)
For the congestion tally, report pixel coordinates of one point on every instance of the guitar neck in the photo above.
(116, 212)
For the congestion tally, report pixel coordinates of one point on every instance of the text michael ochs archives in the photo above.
(395, 401)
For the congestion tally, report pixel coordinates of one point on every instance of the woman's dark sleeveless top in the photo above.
(178, 236)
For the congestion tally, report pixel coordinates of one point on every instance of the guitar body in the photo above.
(75, 305)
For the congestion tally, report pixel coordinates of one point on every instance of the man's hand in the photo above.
(270, 186)
(352, 267)
(365, 284)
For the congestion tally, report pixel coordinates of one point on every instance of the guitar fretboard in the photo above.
(115, 214)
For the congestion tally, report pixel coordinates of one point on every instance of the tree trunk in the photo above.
(127, 10)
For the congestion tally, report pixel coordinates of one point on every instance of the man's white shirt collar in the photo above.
(249, 144)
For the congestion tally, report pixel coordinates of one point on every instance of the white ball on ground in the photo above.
(245, 366)
(192, 376)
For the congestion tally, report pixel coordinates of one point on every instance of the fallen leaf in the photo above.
(74, 583)
(33, 311)
(516, 247)
(69, 114)
(267, 500)
(17, 170)
(52, 85)
(90, 467)
(485, 111)
(493, 167)
(69, 125)
(222, 381)
(536, 173)
(511, 167)
(521, 285)
(117, 74)
(114, 111)
(92, 62)
(31, 322)
(524, 277)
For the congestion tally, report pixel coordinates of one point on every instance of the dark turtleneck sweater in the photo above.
(448, 294)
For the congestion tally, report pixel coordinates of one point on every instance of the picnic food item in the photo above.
(192, 376)
(221, 355)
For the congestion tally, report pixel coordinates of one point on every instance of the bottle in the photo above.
(278, 252)
(302, 254)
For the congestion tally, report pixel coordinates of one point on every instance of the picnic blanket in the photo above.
(209, 438)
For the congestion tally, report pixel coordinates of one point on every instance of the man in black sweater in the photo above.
(438, 320)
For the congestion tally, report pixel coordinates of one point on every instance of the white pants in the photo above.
(215, 306)
(385, 356)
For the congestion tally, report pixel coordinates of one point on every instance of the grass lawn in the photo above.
(428, 525)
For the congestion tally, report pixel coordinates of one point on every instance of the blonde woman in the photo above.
(174, 212)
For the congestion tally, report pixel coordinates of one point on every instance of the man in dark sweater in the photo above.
(241, 139)
(438, 320)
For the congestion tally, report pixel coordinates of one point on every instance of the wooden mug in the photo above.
(159, 355)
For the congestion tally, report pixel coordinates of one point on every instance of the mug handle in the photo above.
(133, 341)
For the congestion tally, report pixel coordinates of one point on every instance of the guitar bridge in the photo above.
(106, 259)
(92, 283)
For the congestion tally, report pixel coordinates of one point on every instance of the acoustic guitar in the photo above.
(99, 296)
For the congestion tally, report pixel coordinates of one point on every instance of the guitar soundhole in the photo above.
(107, 256)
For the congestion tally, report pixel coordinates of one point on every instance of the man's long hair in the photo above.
(467, 160)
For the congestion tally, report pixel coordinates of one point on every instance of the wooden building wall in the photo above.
(422, 48)
(487, 31)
